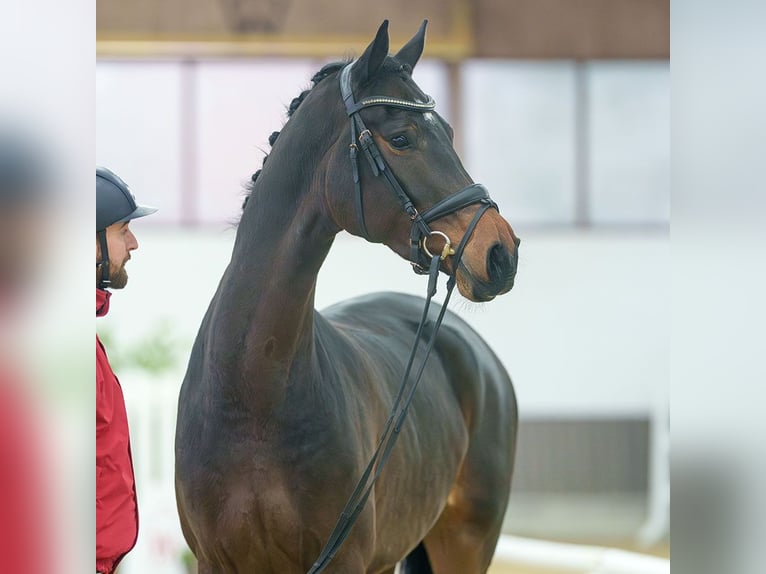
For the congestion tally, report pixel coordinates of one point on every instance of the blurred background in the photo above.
(560, 108)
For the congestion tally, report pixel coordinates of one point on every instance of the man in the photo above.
(116, 507)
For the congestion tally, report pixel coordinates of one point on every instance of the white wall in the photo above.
(544, 136)
(583, 333)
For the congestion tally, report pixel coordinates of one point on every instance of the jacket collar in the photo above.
(102, 302)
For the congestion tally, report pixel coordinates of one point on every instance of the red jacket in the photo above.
(116, 507)
(25, 532)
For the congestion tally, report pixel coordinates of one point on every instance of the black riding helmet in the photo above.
(114, 203)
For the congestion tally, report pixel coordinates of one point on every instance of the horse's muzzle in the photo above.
(501, 268)
(501, 272)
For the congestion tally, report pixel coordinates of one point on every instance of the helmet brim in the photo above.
(140, 211)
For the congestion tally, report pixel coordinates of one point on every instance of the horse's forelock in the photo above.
(394, 66)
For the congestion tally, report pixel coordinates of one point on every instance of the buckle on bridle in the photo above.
(364, 134)
(446, 250)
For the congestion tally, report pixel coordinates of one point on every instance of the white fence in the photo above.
(151, 408)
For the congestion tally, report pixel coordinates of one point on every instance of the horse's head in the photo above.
(412, 192)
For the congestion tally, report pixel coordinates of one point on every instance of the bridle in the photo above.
(361, 139)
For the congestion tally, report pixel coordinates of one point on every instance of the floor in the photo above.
(661, 550)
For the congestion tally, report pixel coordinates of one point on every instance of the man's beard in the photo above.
(118, 277)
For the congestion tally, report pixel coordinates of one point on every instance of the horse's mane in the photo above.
(327, 70)
(390, 65)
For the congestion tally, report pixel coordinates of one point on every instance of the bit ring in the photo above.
(446, 251)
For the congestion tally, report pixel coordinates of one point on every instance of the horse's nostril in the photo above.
(500, 265)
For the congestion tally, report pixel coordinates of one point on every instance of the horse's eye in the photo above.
(400, 142)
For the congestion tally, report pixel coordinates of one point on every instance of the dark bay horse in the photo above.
(281, 406)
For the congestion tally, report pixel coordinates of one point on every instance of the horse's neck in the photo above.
(263, 318)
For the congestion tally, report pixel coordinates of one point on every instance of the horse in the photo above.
(281, 406)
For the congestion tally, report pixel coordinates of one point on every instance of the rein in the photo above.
(361, 138)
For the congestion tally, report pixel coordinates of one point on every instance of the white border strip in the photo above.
(513, 550)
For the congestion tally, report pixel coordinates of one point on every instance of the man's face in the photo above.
(120, 241)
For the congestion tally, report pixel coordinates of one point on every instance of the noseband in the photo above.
(361, 139)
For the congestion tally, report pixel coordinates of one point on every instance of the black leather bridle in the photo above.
(361, 139)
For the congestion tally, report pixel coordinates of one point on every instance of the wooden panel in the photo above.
(572, 28)
(457, 28)
(275, 27)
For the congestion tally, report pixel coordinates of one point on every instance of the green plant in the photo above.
(189, 561)
(156, 353)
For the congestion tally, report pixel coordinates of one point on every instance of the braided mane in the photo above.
(391, 65)
(326, 70)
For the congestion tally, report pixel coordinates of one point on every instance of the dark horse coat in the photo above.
(282, 406)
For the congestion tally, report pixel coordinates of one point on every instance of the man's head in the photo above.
(115, 208)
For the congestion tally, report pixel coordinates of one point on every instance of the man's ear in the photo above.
(412, 50)
(373, 57)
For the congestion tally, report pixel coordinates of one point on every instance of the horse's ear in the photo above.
(372, 58)
(411, 51)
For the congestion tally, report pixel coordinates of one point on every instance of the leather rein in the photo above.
(362, 140)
